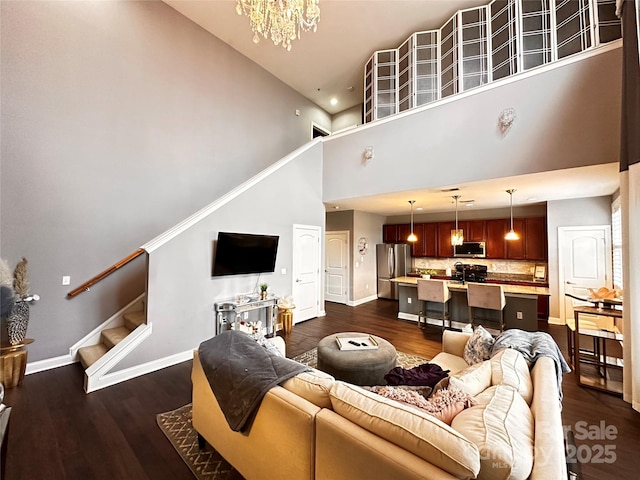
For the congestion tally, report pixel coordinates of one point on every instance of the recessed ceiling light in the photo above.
(333, 101)
(336, 207)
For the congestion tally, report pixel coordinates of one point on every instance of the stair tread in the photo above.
(112, 336)
(134, 319)
(89, 355)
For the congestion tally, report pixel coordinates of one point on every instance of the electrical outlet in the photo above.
(408, 299)
(519, 315)
(245, 315)
(66, 280)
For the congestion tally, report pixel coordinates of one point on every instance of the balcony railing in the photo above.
(480, 45)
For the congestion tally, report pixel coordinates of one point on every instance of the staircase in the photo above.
(109, 338)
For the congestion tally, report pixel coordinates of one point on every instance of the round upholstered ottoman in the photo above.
(360, 367)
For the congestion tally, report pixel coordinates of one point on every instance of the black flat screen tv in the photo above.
(242, 253)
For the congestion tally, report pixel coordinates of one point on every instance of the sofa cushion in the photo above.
(501, 425)
(473, 379)
(478, 347)
(509, 367)
(417, 432)
(313, 386)
(448, 361)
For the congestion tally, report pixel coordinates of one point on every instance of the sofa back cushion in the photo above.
(313, 386)
(508, 367)
(473, 379)
(501, 425)
(415, 431)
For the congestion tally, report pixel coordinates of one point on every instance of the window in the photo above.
(616, 241)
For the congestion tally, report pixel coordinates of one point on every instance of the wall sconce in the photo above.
(506, 119)
(367, 155)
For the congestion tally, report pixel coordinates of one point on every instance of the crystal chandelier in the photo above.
(282, 19)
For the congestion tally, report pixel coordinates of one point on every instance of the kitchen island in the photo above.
(521, 309)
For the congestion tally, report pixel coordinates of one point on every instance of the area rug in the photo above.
(207, 464)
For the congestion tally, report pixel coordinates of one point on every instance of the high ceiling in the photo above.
(325, 64)
(329, 64)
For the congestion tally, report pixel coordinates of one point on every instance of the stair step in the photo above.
(133, 320)
(112, 336)
(89, 355)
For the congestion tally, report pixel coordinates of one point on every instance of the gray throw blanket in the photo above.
(241, 372)
(533, 345)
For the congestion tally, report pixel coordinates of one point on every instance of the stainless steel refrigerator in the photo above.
(394, 260)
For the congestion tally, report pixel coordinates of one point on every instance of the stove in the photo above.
(465, 272)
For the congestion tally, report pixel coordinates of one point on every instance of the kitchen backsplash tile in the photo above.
(504, 269)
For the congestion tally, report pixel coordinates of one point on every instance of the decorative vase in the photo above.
(17, 323)
(263, 295)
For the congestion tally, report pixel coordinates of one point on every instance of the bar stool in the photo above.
(485, 297)
(434, 291)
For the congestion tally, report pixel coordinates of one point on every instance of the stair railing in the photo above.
(116, 266)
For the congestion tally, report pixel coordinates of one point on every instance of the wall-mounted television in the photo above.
(242, 253)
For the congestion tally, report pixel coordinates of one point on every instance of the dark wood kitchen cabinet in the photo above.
(404, 229)
(496, 245)
(389, 233)
(473, 230)
(515, 248)
(445, 249)
(427, 234)
(536, 238)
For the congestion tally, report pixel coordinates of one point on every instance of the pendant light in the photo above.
(412, 236)
(457, 236)
(511, 235)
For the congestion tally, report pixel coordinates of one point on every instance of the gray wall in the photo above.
(182, 292)
(119, 119)
(347, 119)
(566, 117)
(363, 279)
(579, 212)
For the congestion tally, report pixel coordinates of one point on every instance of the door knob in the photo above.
(298, 280)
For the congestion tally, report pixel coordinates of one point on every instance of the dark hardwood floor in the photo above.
(59, 432)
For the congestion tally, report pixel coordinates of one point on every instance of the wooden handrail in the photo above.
(85, 286)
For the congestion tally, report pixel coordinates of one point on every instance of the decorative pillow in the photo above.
(478, 347)
(410, 428)
(474, 379)
(445, 404)
(509, 367)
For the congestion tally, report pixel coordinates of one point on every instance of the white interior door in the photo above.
(584, 260)
(306, 272)
(336, 266)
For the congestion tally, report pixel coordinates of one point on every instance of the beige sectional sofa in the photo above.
(316, 427)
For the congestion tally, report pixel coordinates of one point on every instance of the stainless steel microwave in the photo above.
(470, 249)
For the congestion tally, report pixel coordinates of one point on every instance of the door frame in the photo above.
(319, 284)
(347, 234)
(561, 261)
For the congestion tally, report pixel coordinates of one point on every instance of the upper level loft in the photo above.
(481, 45)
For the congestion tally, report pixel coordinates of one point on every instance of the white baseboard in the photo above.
(48, 364)
(138, 370)
(355, 303)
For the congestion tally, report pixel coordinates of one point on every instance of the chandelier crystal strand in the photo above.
(282, 20)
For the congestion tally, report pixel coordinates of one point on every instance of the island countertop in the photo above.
(459, 287)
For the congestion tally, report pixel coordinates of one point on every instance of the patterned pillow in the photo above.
(478, 347)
